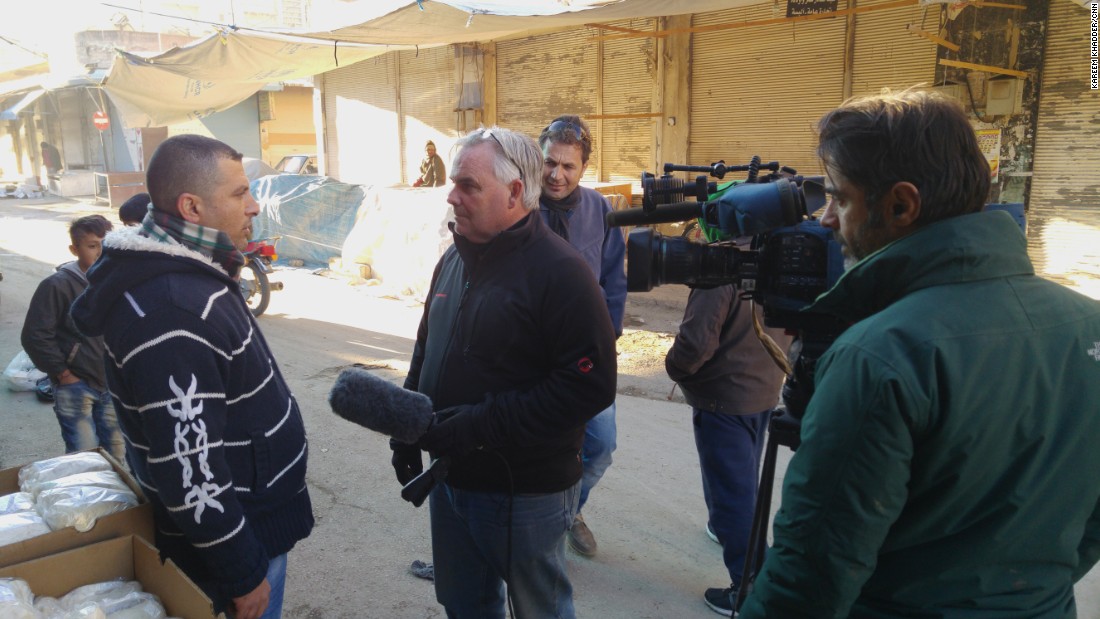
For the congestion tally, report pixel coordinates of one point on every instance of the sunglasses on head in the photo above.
(564, 126)
(488, 133)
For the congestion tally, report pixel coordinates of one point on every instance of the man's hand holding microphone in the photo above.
(408, 419)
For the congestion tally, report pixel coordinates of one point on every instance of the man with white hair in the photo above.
(517, 352)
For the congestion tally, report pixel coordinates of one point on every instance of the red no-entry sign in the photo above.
(100, 120)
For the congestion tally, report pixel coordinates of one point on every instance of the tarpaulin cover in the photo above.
(313, 214)
(461, 21)
(400, 232)
(216, 73)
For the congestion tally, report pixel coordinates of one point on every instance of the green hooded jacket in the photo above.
(950, 456)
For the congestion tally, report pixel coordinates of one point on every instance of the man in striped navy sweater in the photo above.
(213, 433)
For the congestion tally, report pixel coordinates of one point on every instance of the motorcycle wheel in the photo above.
(255, 288)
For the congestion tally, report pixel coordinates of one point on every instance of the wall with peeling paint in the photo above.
(1010, 39)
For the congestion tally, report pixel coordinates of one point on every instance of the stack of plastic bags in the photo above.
(116, 599)
(69, 491)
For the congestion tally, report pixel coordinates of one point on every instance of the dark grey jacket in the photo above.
(51, 339)
(718, 361)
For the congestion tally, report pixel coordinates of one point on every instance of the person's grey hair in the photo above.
(515, 156)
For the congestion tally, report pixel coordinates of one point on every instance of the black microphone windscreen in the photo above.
(379, 405)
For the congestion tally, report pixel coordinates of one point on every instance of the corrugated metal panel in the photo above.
(428, 100)
(71, 118)
(541, 77)
(1064, 207)
(361, 122)
(629, 75)
(759, 90)
(238, 126)
(886, 54)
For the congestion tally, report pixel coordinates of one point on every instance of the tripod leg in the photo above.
(758, 538)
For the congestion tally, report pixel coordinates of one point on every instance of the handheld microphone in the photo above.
(379, 405)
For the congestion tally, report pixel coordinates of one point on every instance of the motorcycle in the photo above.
(255, 284)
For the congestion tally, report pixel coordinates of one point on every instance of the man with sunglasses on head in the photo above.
(578, 215)
(517, 353)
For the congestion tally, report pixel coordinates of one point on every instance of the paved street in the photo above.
(647, 514)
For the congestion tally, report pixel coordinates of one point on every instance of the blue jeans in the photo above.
(599, 442)
(87, 419)
(471, 534)
(729, 448)
(276, 577)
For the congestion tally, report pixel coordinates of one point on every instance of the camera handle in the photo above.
(783, 429)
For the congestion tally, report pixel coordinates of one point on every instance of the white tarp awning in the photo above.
(218, 72)
(222, 70)
(444, 22)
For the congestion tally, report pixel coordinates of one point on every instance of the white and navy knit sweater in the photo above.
(213, 434)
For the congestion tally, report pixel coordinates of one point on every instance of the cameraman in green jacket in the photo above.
(949, 456)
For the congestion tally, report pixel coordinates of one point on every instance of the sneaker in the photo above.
(581, 539)
(721, 601)
(712, 535)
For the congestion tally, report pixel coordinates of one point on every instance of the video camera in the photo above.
(790, 260)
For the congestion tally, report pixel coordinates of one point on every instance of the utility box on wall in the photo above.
(1004, 96)
(955, 91)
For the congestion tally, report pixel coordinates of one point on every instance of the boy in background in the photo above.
(73, 362)
(133, 210)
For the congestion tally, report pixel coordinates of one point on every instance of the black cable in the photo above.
(24, 48)
(974, 105)
(508, 544)
(190, 19)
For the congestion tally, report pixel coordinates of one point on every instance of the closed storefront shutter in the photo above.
(886, 54)
(759, 90)
(629, 70)
(427, 85)
(238, 126)
(1064, 215)
(539, 78)
(361, 124)
(73, 133)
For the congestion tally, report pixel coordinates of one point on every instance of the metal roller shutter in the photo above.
(759, 90)
(629, 71)
(1064, 213)
(886, 54)
(541, 77)
(73, 134)
(427, 86)
(361, 124)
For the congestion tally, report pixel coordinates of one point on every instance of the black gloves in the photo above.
(453, 432)
(406, 461)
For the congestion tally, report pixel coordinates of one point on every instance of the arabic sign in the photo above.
(796, 8)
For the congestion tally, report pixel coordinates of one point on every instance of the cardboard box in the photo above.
(130, 558)
(135, 521)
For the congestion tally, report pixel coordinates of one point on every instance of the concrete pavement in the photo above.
(647, 514)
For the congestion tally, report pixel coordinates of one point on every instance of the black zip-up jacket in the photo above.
(518, 329)
(51, 339)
